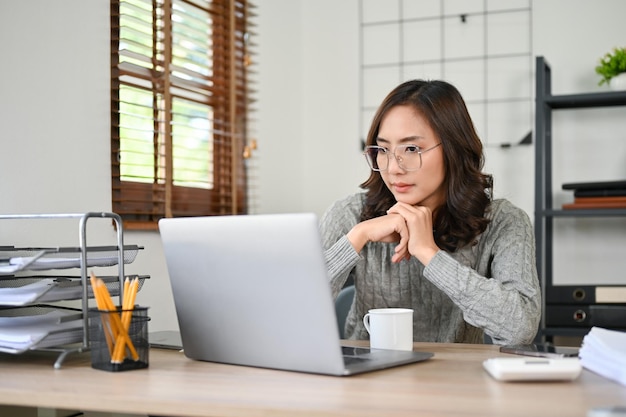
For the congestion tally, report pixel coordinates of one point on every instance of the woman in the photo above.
(426, 233)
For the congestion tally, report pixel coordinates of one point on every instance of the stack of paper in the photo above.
(26, 294)
(62, 258)
(24, 291)
(52, 328)
(604, 352)
(54, 261)
(7, 267)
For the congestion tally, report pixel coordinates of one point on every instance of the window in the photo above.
(179, 108)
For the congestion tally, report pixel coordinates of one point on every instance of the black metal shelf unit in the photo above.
(569, 310)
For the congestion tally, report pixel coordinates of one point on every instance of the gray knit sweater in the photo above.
(491, 287)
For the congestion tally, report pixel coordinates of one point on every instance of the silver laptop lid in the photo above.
(253, 290)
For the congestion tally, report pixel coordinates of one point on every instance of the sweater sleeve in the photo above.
(506, 302)
(340, 255)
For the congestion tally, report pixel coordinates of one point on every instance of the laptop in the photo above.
(165, 339)
(253, 290)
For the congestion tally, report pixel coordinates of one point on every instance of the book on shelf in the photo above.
(596, 202)
(597, 195)
(598, 205)
(618, 192)
(600, 200)
(598, 186)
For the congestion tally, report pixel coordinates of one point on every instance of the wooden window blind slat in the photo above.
(179, 105)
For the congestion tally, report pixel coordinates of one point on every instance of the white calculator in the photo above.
(533, 369)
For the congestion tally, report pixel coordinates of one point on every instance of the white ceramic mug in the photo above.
(390, 328)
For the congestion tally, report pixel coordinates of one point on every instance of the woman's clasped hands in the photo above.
(418, 221)
(409, 226)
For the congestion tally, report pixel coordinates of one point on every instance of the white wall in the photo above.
(308, 118)
(55, 62)
(279, 62)
(53, 65)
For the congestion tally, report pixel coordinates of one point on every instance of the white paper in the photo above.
(603, 351)
(57, 327)
(63, 263)
(8, 267)
(26, 294)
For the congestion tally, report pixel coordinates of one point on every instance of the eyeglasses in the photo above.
(409, 157)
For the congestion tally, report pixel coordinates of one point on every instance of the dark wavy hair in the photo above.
(461, 218)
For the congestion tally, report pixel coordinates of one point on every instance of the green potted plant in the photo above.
(611, 65)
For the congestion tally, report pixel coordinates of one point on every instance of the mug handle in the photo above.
(366, 322)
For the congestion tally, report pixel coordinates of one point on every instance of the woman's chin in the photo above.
(406, 199)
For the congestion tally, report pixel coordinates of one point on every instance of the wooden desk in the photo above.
(453, 382)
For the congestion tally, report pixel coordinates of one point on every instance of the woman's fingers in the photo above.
(418, 219)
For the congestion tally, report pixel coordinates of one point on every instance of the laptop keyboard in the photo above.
(350, 360)
(355, 354)
(354, 351)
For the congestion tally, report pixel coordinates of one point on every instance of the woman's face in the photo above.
(402, 125)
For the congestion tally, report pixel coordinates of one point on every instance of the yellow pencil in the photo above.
(127, 307)
(120, 334)
(125, 292)
(122, 337)
(106, 323)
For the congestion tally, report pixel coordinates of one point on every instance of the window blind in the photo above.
(180, 104)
